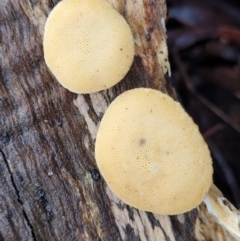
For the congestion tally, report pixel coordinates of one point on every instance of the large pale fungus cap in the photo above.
(88, 45)
(151, 153)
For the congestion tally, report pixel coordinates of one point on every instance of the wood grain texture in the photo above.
(50, 185)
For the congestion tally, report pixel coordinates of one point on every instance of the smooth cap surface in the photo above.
(88, 45)
(151, 153)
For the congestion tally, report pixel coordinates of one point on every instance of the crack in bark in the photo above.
(144, 228)
(155, 223)
(18, 196)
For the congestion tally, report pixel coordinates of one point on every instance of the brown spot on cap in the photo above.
(158, 161)
(81, 45)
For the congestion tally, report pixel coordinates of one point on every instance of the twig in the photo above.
(200, 97)
(211, 131)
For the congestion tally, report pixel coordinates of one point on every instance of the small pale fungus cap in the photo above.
(88, 45)
(151, 153)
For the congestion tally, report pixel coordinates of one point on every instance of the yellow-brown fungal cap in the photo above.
(88, 45)
(151, 153)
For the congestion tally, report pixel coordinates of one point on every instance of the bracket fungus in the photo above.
(151, 153)
(88, 45)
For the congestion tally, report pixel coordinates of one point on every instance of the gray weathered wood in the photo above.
(50, 186)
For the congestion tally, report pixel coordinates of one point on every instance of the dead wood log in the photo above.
(50, 187)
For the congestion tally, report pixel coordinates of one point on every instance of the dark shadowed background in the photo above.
(204, 48)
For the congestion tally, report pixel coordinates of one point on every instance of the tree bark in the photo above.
(50, 185)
